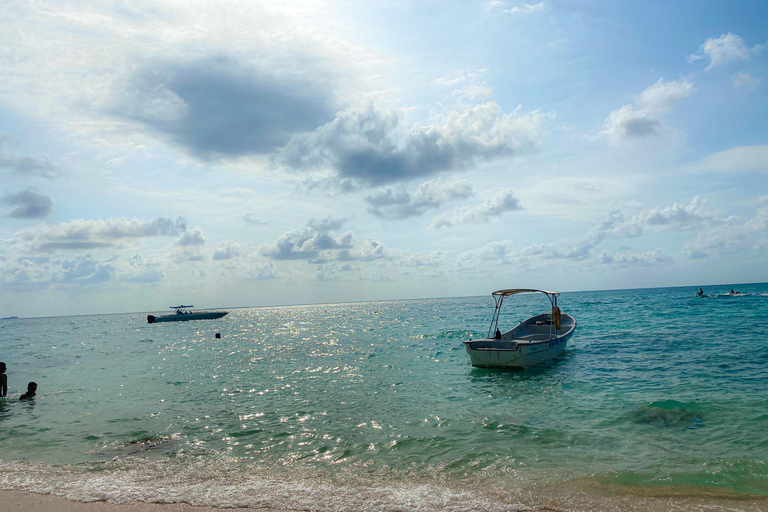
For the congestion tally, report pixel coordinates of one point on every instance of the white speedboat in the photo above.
(182, 314)
(532, 341)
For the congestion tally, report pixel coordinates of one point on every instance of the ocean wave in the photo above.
(226, 484)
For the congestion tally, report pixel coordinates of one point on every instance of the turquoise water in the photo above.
(375, 405)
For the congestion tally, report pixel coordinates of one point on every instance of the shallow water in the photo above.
(375, 406)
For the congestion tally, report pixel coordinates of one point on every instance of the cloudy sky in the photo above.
(249, 153)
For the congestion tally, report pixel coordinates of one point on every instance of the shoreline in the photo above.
(563, 501)
(27, 501)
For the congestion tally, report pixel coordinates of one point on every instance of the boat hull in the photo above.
(519, 353)
(524, 357)
(204, 315)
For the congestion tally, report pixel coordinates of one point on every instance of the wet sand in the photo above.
(23, 501)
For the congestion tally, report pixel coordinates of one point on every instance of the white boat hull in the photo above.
(520, 348)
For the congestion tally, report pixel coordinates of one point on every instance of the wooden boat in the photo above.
(182, 314)
(532, 341)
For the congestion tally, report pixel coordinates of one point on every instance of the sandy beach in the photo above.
(22, 501)
(570, 501)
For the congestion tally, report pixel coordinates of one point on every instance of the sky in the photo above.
(252, 153)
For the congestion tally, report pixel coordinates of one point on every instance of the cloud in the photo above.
(139, 271)
(739, 159)
(193, 237)
(731, 237)
(480, 213)
(145, 276)
(250, 219)
(372, 145)
(84, 269)
(679, 217)
(308, 243)
(28, 204)
(27, 166)
(262, 272)
(644, 118)
(744, 80)
(90, 234)
(721, 50)
(624, 258)
(526, 8)
(87, 270)
(227, 250)
(392, 204)
(330, 271)
(316, 243)
(218, 107)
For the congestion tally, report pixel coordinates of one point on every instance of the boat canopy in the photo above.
(498, 297)
(513, 291)
(179, 307)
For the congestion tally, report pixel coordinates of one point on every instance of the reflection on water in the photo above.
(384, 392)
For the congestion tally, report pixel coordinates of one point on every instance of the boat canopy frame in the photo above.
(500, 295)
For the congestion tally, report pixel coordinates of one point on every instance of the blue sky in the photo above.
(258, 153)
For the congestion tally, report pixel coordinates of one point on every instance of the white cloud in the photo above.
(721, 50)
(88, 234)
(88, 270)
(645, 117)
(680, 217)
(624, 258)
(744, 80)
(526, 8)
(503, 202)
(227, 250)
(192, 237)
(400, 204)
(317, 244)
(372, 145)
(739, 159)
(731, 237)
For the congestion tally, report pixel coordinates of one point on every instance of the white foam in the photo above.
(225, 485)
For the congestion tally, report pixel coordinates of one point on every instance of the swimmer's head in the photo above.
(32, 386)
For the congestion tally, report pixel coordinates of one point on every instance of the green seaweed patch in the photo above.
(669, 414)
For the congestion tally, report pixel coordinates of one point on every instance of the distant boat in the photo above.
(183, 314)
(532, 341)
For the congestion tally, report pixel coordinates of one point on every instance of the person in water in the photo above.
(700, 293)
(31, 391)
(3, 381)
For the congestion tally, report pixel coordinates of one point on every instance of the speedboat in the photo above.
(532, 341)
(182, 314)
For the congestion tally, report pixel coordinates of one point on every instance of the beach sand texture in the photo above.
(22, 501)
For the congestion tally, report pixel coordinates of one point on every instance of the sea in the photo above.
(660, 402)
